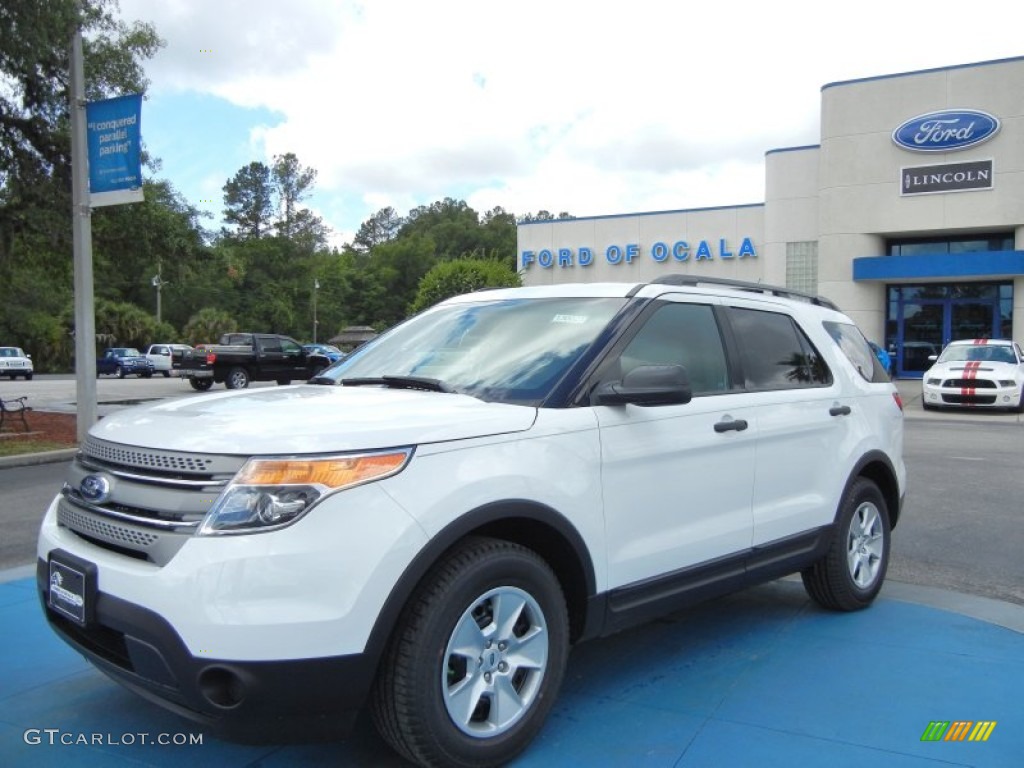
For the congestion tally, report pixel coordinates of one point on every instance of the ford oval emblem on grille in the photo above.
(95, 488)
(947, 130)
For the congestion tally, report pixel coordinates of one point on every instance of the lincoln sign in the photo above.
(954, 177)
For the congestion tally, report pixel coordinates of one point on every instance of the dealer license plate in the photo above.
(71, 588)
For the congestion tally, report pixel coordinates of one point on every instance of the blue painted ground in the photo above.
(761, 678)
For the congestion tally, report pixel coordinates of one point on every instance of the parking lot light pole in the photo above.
(316, 287)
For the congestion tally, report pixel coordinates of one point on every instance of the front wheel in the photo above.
(28, 377)
(476, 660)
(119, 372)
(237, 378)
(200, 385)
(849, 576)
(167, 374)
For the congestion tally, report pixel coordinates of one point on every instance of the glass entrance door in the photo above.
(922, 319)
(921, 336)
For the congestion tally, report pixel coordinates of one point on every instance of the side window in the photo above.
(269, 345)
(681, 334)
(855, 347)
(775, 354)
(290, 347)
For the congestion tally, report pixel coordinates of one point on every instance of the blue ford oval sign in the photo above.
(947, 130)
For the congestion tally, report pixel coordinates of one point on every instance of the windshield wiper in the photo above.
(401, 382)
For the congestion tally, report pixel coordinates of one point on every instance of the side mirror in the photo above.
(647, 385)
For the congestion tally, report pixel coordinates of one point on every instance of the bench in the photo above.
(14, 409)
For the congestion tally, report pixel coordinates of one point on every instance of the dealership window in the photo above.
(802, 266)
(975, 243)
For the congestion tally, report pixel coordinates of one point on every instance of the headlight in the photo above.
(270, 493)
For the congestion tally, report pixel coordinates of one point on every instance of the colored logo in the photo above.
(95, 488)
(947, 130)
(958, 730)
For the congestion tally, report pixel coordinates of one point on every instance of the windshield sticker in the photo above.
(570, 319)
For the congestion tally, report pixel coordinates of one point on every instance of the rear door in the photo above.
(804, 422)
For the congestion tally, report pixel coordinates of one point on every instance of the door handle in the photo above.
(733, 425)
(839, 410)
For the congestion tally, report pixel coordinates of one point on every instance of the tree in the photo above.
(207, 325)
(35, 139)
(249, 201)
(292, 183)
(382, 227)
(451, 278)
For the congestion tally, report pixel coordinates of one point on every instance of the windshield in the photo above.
(11, 352)
(512, 351)
(983, 352)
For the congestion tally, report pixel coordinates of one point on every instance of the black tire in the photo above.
(849, 576)
(167, 374)
(420, 675)
(237, 378)
(200, 385)
(120, 372)
(284, 382)
(28, 377)
(147, 375)
(1018, 409)
(928, 406)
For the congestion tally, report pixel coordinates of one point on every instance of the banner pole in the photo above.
(81, 224)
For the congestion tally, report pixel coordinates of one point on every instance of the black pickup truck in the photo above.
(244, 357)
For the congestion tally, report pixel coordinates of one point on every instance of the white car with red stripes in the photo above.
(976, 373)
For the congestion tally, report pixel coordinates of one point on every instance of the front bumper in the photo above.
(252, 701)
(985, 394)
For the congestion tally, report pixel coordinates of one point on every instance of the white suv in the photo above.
(429, 525)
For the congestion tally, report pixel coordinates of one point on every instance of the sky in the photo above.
(592, 108)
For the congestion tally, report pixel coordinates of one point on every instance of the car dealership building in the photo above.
(909, 215)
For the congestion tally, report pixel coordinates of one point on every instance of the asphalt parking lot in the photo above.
(760, 678)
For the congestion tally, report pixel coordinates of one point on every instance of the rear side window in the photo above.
(851, 341)
(775, 353)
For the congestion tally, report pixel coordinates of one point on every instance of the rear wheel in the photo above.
(476, 660)
(167, 374)
(237, 378)
(849, 576)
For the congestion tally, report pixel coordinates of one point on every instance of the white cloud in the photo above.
(588, 107)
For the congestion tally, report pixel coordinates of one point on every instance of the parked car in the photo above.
(14, 363)
(883, 357)
(123, 361)
(976, 373)
(163, 355)
(332, 353)
(430, 524)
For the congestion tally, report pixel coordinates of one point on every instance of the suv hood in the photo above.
(310, 419)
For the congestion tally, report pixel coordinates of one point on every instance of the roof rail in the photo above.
(743, 285)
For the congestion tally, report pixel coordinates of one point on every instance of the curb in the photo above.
(31, 459)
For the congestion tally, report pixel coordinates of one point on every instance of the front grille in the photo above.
(116, 533)
(138, 458)
(970, 383)
(969, 399)
(154, 500)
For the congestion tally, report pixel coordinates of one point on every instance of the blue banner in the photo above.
(115, 150)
